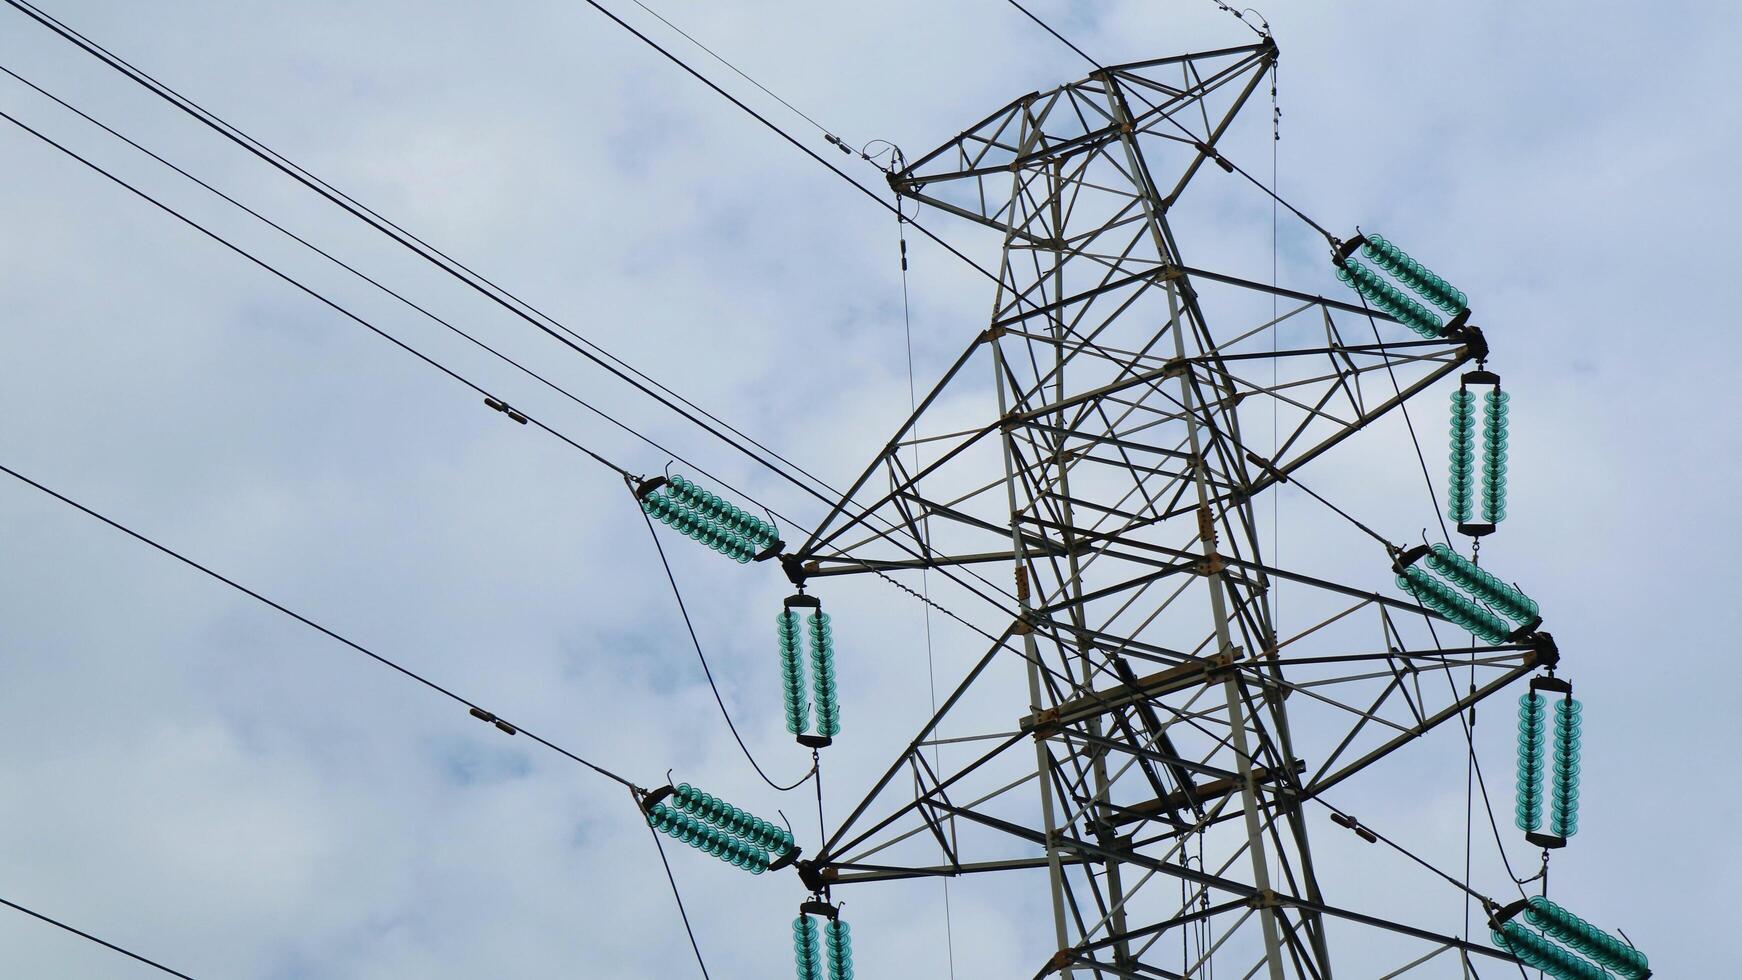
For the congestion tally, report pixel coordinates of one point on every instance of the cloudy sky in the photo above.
(199, 778)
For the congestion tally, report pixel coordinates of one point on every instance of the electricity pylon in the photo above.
(1088, 459)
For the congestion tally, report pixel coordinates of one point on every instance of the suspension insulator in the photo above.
(1532, 711)
(1456, 607)
(807, 949)
(1390, 299)
(1565, 927)
(1483, 585)
(822, 647)
(1541, 953)
(838, 949)
(1494, 412)
(696, 832)
(1413, 274)
(787, 627)
(737, 823)
(1460, 484)
(1564, 812)
(754, 529)
(706, 517)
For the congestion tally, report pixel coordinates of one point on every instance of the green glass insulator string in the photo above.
(728, 515)
(1532, 712)
(1484, 585)
(807, 950)
(1564, 811)
(711, 840)
(1413, 274)
(708, 518)
(1390, 300)
(822, 648)
(1457, 608)
(1540, 953)
(1494, 414)
(673, 513)
(792, 672)
(838, 949)
(1563, 926)
(739, 823)
(1460, 487)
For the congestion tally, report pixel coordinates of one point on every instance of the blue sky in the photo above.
(194, 776)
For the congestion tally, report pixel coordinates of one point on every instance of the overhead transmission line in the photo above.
(502, 297)
(322, 298)
(426, 312)
(828, 135)
(121, 66)
(473, 707)
(402, 298)
(82, 934)
(477, 710)
(515, 413)
(499, 405)
(520, 413)
(446, 263)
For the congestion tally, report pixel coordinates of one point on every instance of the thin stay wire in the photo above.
(896, 160)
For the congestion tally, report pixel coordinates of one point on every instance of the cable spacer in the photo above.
(497, 404)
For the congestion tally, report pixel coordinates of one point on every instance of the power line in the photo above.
(409, 349)
(429, 253)
(741, 73)
(202, 229)
(456, 376)
(95, 939)
(407, 672)
(571, 396)
(477, 711)
(495, 293)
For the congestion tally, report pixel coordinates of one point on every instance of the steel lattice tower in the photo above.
(1103, 481)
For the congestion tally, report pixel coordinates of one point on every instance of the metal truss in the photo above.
(1169, 733)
